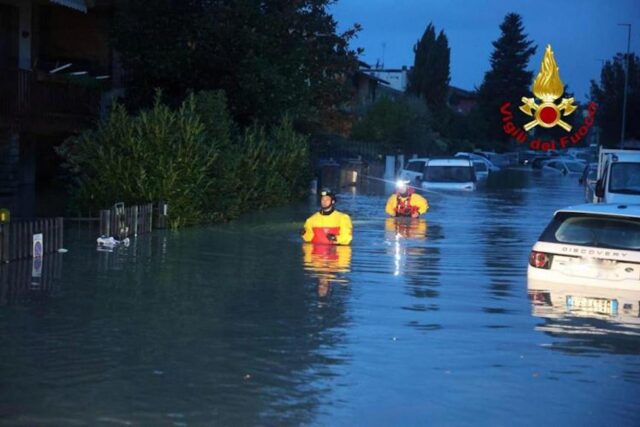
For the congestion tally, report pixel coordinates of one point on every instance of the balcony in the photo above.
(28, 95)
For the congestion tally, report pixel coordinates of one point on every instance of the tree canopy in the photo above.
(609, 93)
(270, 57)
(401, 125)
(430, 76)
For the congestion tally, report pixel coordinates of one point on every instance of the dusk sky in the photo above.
(581, 33)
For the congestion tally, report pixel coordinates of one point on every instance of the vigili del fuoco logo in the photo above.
(547, 87)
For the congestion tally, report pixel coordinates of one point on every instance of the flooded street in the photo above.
(427, 322)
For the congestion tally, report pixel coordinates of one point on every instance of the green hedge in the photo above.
(191, 157)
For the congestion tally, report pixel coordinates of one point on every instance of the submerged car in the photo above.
(563, 166)
(525, 157)
(451, 173)
(491, 167)
(413, 170)
(481, 169)
(538, 162)
(591, 245)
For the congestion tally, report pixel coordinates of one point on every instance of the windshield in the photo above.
(449, 174)
(594, 230)
(625, 178)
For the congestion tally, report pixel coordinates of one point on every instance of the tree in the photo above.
(429, 77)
(609, 97)
(401, 125)
(507, 80)
(270, 57)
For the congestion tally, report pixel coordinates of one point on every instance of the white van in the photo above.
(618, 176)
(453, 173)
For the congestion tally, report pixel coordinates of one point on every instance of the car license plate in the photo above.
(592, 305)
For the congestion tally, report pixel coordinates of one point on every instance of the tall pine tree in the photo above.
(609, 97)
(430, 75)
(508, 79)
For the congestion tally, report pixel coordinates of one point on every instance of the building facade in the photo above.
(57, 75)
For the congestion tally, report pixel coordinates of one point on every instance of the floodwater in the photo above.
(428, 322)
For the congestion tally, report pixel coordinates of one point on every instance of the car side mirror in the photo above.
(599, 189)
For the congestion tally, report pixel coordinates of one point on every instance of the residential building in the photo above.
(57, 74)
(395, 78)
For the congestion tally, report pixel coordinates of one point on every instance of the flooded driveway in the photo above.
(427, 322)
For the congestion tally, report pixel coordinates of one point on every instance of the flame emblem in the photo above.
(548, 87)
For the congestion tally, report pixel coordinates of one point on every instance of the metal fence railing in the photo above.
(29, 239)
(121, 222)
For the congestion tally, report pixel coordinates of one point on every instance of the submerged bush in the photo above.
(188, 157)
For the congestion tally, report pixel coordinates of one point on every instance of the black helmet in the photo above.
(327, 192)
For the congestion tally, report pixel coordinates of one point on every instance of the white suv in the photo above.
(453, 173)
(591, 245)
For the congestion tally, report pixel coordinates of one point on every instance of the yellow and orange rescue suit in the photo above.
(319, 225)
(406, 204)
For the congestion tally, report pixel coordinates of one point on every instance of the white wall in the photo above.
(397, 78)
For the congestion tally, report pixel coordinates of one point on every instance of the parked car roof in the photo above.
(612, 209)
(450, 161)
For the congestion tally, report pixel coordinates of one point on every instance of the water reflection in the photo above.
(328, 263)
(31, 279)
(416, 256)
(140, 248)
(502, 234)
(397, 232)
(592, 319)
(405, 228)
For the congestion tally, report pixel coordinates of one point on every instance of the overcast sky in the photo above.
(581, 33)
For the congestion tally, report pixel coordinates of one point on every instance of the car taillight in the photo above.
(540, 260)
(538, 297)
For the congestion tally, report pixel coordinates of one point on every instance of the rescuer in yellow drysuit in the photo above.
(328, 226)
(406, 202)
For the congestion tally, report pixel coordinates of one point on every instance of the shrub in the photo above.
(190, 158)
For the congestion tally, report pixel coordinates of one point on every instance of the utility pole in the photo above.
(626, 83)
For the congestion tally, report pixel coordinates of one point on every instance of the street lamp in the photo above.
(626, 83)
